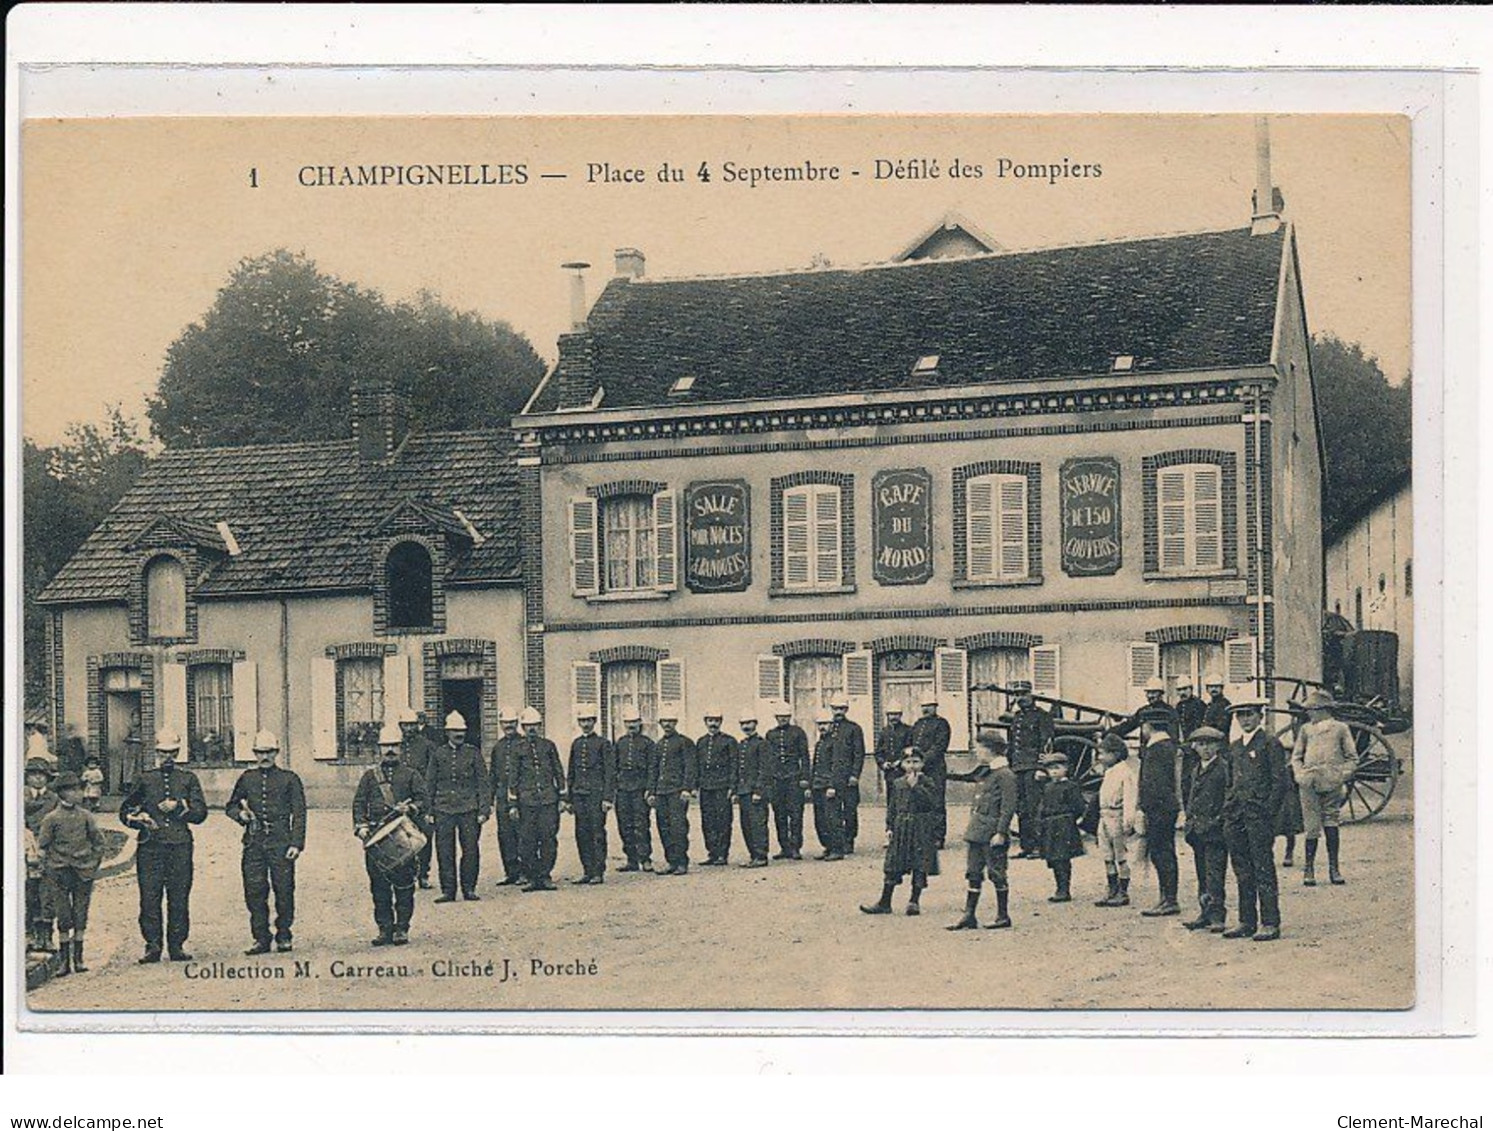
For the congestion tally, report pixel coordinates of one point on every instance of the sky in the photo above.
(130, 226)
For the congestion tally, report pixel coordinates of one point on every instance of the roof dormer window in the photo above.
(1124, 363)
(928, 363)
(681, 386)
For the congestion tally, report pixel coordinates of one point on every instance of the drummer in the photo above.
(386, 794)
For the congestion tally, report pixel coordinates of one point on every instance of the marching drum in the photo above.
(395, 843)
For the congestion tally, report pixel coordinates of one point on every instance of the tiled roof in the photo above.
(1185, 302)
(304, 515)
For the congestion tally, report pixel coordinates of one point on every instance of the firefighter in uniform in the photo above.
(634, 761)
(1155, 710)
(788, 748)
(930, 734)
(828, 773)
(591, 789)
(1031, 733)
(1190, 713)
(674, 776)
(895, 737)
(1159, 799)
(385, 791)
(414, 754)
(270, 803)
(1257, 783)
(163, 804)
(461, 800)
(849, 735)
(1218, 713)
(536, 782)
(718, 756)
(753, 788)
(514, 872)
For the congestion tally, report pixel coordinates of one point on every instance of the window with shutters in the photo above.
(624, 542)
(997, 523)
(812, 682)
(990, 668)
(410, 576)
(812, 541)
(1190, 513)
(627, 544)
(210, 713)
(166, 599)
(360, 703)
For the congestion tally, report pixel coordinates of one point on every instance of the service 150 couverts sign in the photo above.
(1091, 516)
(903, 526)
(718, 550)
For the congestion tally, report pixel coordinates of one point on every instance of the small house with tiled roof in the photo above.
(1086, 466)
(308, 589)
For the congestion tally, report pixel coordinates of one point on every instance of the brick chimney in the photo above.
(381, 418)
(574, 370)
(630, 262)
(1268, 202)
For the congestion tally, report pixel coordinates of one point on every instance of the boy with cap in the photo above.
(39, 801)
(912, 812)
(72, 848)
(1159, 799)
(987, 836)
(1323, 761)
(1061, 808)
(164, 804)
(848, 733)
(591, 788)
(461, 800)
(536, 782)
(1257, 782)
(634, 763)
(384, 792)
(673, 779)
(1119, 795)
(1031, 730)
(509, 848)
(270, 803)
(753, 788)
(718, 756)
(1204, 830)
(788, 748)
(931, 735)
(827, 776)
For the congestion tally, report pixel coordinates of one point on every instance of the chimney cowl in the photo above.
(630, 262)
(577, 271)
(1268, 204)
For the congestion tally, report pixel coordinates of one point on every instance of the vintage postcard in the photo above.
(510, 565)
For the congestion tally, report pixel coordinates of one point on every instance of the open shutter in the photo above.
(857, 668)
(1172, 500)
(585, 686)
(1012, 526)
(324, 707)
(951, 681)
(1047, 671)
(769, 680)
(666, 539)
(245, 709)
(979, 498)
(1239, 671)
(396, 685)
(827, 562)
(585, 568)
(671, 688)
(1207, 509)
(172, 709)
(797, 563)
(1142, 664)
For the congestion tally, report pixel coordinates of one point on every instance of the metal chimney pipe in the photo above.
(1264, 188)
(577, 294)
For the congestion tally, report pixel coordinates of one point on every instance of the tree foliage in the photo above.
(1366, 425)
(275, 359)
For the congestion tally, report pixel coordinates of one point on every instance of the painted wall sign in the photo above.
(718, 533)
(1091, 516)
(902, 508)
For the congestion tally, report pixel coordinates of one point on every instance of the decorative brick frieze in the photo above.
(1227, 463)
(625, 487)
(982, 641)
(193, 656)
(629, 653)
(361, 650)
(792, 649)
(1191, 634)
(905, 642)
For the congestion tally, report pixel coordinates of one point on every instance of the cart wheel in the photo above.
(1373, 783)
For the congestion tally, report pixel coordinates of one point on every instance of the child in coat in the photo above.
(987, 837)
(93, 784)
(913, 804)
(1117, 803)
(1058, 813)
(72, 848)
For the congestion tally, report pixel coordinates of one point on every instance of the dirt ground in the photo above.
(787, 936)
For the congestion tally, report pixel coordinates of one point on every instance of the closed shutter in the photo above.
(324, 707)
(671, 690)
(951, 681)
(797, 559)
(585, 686)
(666, 539)
(172, 710)
(1239, 670)
(857, 675)
(1047, 671)
(1142, 664)
(585, 575)
(1011, 497)
(980, 528)
(769, 680)
(1207, 511)
(1171, 494)
(827, 563)
(245, 709)
(396, 685)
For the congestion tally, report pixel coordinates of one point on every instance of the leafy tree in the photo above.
(1366, 425)
(277, 355)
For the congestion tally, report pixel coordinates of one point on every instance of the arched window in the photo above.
(409, 574)
(165, 599)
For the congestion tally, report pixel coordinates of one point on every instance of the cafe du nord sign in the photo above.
(1091, 516)
(903, 526)
(718, 551)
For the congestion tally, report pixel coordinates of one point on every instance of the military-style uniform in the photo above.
(510, 848)
(393, 891)
(634, 764)
(718, 755)
(274, 822)
(788, 748)
(675, 772)
(414, 754)
(931, 735)
(753, 789)
(1158, 798)
(1190, 713)
(1257, 782)
(591, 788)
(536, 782)
(849, 734)
(1160, 713)
(1217, 714)
(828, 774)
(460, 796)
(1204, 832)
(1031, 732)
(894, 738)
(163, 858)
